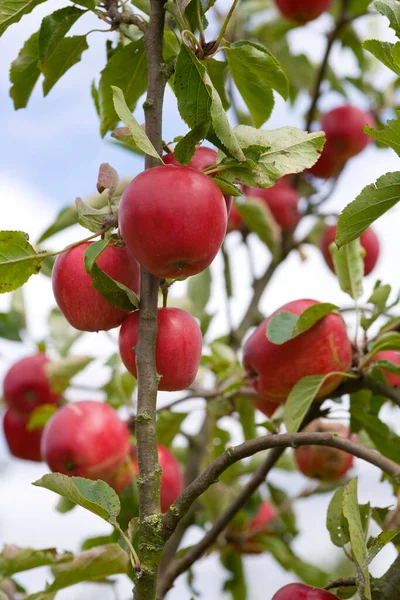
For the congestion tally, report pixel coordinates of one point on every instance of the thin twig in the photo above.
(343, 582)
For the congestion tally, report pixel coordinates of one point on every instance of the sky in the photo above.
(50, 153)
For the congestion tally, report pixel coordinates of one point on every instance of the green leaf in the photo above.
(11, 11)
(351, 512)
(40, 415)
(256, 72)
(236, 584)
(117, 293)
(386, 341)
(54, 28)
(14, 559)
(377, 544)
(198, 100)
(336, 522)
(259, 219)
(199, 289)
(138, 134)
(383, 51)
(132, 82)
(185, 148)
(60, 372)
(285, 326)
(388, 135)
(65, 55)
(387, 365)
(18, 260)
(11, 324)
(391, 10)
(168, 426)
(218, 71)
(91, 565)
(348, 262)
(25, 72)
(63, 335)
(300, 399)
(91, 218)
(384, 439)
(372, 203)
(64, 505)
(120, 387)
(96, 496)
(227, 188)
(380, 296)
(247, 416)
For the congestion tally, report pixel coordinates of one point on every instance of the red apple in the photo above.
(248, 540)
(87, 439)
(301, 591)
(302, 11)
(343, 128)
(273, 369)
(171, 478)
(178, 350)
(394, 357)
(27, 386)
(173, 220)
(267, 408)
(321, 462)
(369, 241)
(266, 514)
(329, 164)
(81, 304)
(21, 442)
(235, 221)
(282, 200)
(202, 158)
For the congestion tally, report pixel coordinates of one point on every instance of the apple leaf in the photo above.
(388, 135)
(391, 10)
(66, 54)
(132, 82)
(91, 218)
(54, 28)
(285, 326)
(383, 51)
(11, 11)
(96, 496)
(199, 289)
(95, 564)
(348, 262)
(117, 293)
(218, 71)
(247, 416)
(387, 365)
(63, 335)
(25, 72)
(300, 399)
(40, 415)
(186, 147)
(351, 512)
(259, 219)
(372, 203)
(18, 260)
(386, 341)
(14, 559)
(12, 322)
(60, 372)
(228, 189)
(256, 73)
(138, 134)
(377, 544)
(235, 585)
(336, 522)
(168, 426)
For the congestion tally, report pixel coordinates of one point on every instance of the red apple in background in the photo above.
(202, 158)
(321, 462)
(235, 221)
(301, 591)
(273, 370)
(171, 478)
(329, 163)
(21, 442)
(369, 241)
(249, 540)
(343, 127)
(27, 386)
(266, 514)
(302, 11)
(394, 357)
(87, 439)
(178, 349)
(81, 304)
(173, 220)
(282, 200)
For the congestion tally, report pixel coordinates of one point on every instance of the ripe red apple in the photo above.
(266, 514)
(394, 357)
(302, 11)
(81, 304)
(235, 221)
(329, 164)
(369, 241)
(267, 408)
(21, 442)
(171, 477)
(178, 349)
(248, 541)
(273, 370)
(321, 462)
(87, 439)
(301, 591)
(282, 200)
(343, 128)
(173, 220)
(27, 386)
(202, 158)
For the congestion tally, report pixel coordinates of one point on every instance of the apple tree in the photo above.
(277, 377)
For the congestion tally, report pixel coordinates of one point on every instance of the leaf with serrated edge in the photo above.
(389, 134)
(11, 11)
(66, 54)
(54, 28)
(18, 260)
(25, 72)
(391, 10)
(300, 399)
(259, 219)
(138, 134)
(348, 262)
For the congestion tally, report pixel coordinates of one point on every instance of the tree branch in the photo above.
(150, 548)
(381, 389)
(387, 587)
